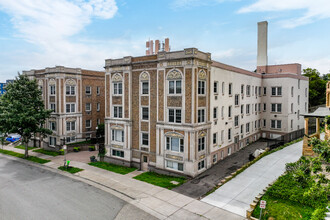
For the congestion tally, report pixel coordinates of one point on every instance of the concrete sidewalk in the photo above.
(236, 195)
(159, 202)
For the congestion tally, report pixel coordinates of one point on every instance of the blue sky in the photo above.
(82, 33)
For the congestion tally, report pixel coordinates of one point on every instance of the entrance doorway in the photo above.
(144, 162)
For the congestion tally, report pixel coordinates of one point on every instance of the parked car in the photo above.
(13, 137)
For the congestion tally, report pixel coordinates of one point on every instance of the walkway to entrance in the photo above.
(237, 194)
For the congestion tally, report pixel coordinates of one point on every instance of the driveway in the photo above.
(237, 194)
(206, 181)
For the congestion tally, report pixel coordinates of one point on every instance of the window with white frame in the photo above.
(215, 113)
(201, 87)
(88, 123)
(174, 115)
(265, 107)
(88, 107)
(98, 121)
(265, 123)
(259, 123)
(145, 139)
(215, 158)
(117, 135)
(70, 126)
(298, 99)
(242, 89)
(88, 90)
(236, 121)
(265, 90)
(117, 111)
(145, 113)
(215, 138)
(276, 124)
(52, 141)
(52, 125)
(277, 91)
(98, 90)
(230, 89)
(291, 107)
(247, 108)
(298, 83)
(145, 88)
(117, 88)
(201, 115)
(52, 89)
(255, 107)
(305, 106)
(222, 136)
(292, 91)
(118, 153)
(291, 124)
(229, 111)
(236, 100)
(70, 139)
(247, 127)
(70, 90)
(174, 87)
(70, 107)
(229, 151)
(201, 165)
(215, 87)
(53, 106)
(259, 91)
(242, 109)
(201, 143)
(276, 107)
(248, 90)
(174, 165)
(229, 134)
(98, 107)
(259, 107)
(242, 129)
(305, 92)
(223, 88)
(174, 144)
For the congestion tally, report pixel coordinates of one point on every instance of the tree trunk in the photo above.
(26, 155)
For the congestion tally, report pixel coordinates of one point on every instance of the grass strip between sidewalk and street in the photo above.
(47, 152)
(244, 167)
(70, 169)
(161, 180)
(23, 147)
(19, 155)
(113, 167)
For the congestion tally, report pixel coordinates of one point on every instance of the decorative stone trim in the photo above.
(174, 74)
(117, 78)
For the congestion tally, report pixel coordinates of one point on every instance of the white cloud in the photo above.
(195, 3)
(51, 24)
(218, 55)
(313, 10)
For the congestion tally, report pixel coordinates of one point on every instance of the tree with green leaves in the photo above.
(22, 110)
(317, 86)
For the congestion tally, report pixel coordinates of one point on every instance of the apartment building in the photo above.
(76, 97)
(181, 112)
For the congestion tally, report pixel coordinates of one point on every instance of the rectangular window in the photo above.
(259, 91)
(117, 112)
(52, 125)
(215, 87)
(52, 90)
(52, 141)
(88, 107)
(70, 126)
(230, 89)
(248, 90)
(277, 91)
(229, 134)
(242, 89)
(88, 90)
(98, 121)
(118, 153)
(265, 107)
(229, 151)
(145, 88)
(248, 109)
(174, 144)
(222, 136)
(247, 126)
(215, 113)
(145, 113)
(265, 90)
(236, 100)
(70, 139)
(201, 144)
(53, 107)
(276, 108)
(223, 88)
(201, 164)
(174, 115)
(98, 90)
(117, 135)
(201, 87)
(276, 124)
(145, 139)
(98, 107)
(236, 120)
(174, 165)
(70, 90)
(70, 108)
(242, 109)
(174, 87)
(264, 124)
(242, 129)
(118, 88)
(201, 115)
(229, 111)
(215, 158)
(291, 124)
(88, 123)
(215, 138)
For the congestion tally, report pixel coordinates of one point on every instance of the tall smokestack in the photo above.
(262, 59)
(156, 46)
(167, 44)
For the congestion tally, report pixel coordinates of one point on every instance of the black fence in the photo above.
(277, 142)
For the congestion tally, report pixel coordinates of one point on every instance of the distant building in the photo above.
(2, 88)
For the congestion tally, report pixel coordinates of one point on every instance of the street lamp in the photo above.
(64, 151)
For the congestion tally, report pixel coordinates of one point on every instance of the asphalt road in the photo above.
(29, 192)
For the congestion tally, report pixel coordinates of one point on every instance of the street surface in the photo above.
(29, 192)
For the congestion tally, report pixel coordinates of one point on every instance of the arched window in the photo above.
(174, 78)
(117, 82)
(144, 79)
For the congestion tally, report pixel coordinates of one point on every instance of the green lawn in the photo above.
(30, 158)
(281, 209)
(23, 147)
(160, 179)
(113, 167)
(70, 169)
(47, 152)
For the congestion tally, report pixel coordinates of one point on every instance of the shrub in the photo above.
(316, 196)
(327, 168)
(319, 214)
(316, 165)
(76, 149)
(61, 152)
(91, 148)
